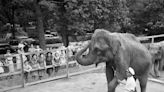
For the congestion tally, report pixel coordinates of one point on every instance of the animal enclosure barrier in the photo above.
(150, 37)
(154, 46)
(16, 75)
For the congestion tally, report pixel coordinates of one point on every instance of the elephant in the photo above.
(118, 51)
(157, 59)
(161, 64)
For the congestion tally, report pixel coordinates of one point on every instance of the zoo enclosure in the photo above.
(67, 65)
(150, 37)
(65, 72)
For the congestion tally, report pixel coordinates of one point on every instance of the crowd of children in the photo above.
(36, 65)
(39, 64)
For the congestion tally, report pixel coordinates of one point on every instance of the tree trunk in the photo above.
(65, 39)
(64, 22)
(40, 28)
(13, 22)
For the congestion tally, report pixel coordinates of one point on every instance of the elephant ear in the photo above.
(113, 42)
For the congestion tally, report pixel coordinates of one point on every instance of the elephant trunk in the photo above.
(88, 59)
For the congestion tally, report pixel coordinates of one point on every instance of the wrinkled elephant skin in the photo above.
(119, 51)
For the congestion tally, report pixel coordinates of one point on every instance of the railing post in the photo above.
(67, 62)
(152, 41)
(22, 74)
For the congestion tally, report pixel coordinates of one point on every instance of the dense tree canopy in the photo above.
(146, 17)
(77, 17)
(88, 15)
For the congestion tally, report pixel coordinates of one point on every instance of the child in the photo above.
(32, 49)
(130, 83)
(9, 61)
(27, 69)
(38, 49)
(35, 66)
(49, 62)
(42, 64)
(1, 67)
(57, 61)
(21, 46)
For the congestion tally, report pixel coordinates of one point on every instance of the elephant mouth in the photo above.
(100, 60)
(96, 64)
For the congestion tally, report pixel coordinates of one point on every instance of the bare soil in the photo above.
(91, 82)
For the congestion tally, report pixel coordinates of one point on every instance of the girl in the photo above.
(35, 66)
(57, 60)
(27, 69)
(18, 62)
(9, 61)
(49, 62)
(1, 67)
(38, 49)
(42, 64)
(32, 49)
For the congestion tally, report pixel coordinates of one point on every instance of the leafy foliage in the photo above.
(88, 15)
(146, 16)
(77, 17)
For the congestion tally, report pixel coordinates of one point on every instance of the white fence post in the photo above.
(22, 74)
(152, 41)
(67, 62)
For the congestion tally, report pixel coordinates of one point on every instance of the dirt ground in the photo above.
(91, 82)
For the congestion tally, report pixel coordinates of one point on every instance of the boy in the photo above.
(130, 83)
(27, 69)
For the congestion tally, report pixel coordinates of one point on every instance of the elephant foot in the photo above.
(143, 82)
(157, 74)
(111, 90)
(112, 85)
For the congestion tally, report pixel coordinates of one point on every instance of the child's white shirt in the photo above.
(130, 84)
(27, 68)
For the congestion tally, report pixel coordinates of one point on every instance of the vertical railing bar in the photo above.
(22, 74)
(67, 63)
(152, 41)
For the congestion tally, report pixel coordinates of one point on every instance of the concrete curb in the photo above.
(156, 80)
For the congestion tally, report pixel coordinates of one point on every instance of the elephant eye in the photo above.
(98, 52)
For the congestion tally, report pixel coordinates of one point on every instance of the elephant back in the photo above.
(130, 41)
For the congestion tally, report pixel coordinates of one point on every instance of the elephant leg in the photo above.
(156, 68)
(143, 82)
(152, 73)
(161, 64)
(111, 81)
(112, 85)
